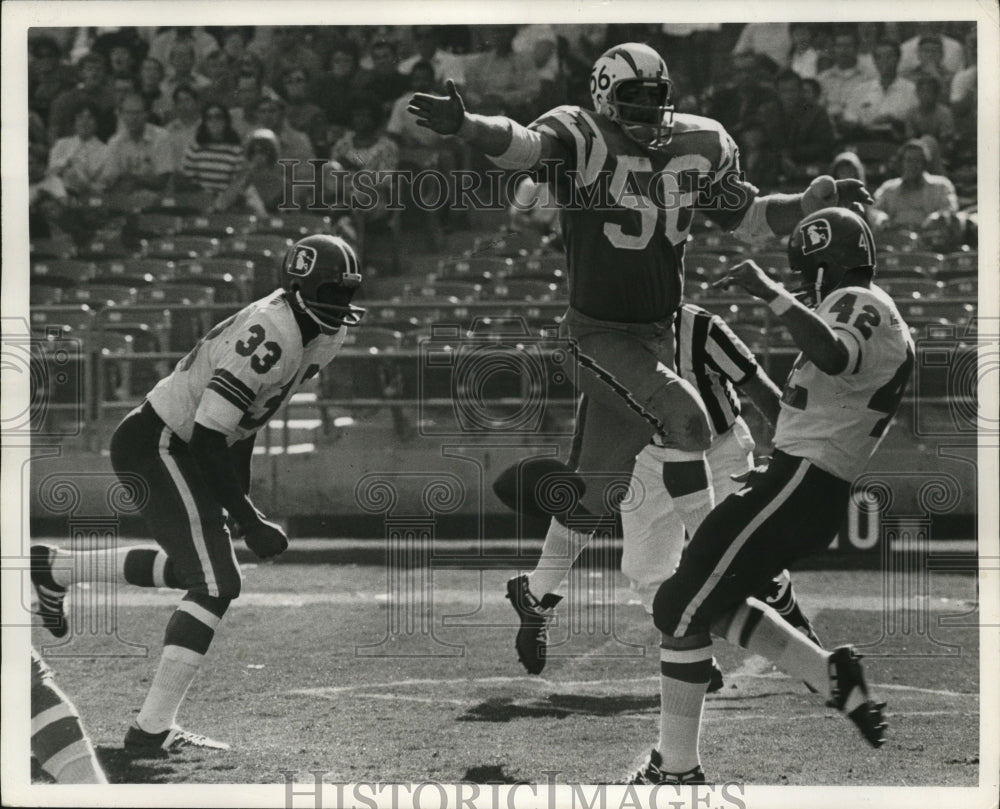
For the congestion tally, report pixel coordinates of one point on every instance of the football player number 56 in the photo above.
(671, 200)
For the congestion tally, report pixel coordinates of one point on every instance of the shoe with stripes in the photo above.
(851, 697)
(533, 637)
(173, 740)
(51, 597)
(651, 773)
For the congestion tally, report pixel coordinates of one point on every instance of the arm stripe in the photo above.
(237, 383)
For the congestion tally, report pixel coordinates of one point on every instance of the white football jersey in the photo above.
(240, 373)
(838, 421)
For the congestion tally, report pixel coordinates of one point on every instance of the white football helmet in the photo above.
(629, 84)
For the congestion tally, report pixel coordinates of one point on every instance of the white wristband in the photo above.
(782, 303)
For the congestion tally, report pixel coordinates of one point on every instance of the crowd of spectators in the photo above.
(142, 112)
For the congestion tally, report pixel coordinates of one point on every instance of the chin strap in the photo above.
(326, 328)
(818, 285)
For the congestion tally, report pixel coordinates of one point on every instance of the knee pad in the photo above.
(540, 487)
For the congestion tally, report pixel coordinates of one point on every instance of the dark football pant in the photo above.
(631, 391)
(182, 515)
(789, 511)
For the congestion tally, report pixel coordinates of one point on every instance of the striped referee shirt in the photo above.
(713, 359)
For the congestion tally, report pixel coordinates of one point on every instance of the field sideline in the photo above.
(374, 674)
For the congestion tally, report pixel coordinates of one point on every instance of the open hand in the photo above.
(441, 114)
(749, 276)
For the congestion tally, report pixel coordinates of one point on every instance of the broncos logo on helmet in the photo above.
(826, 245)
(320, 275)
(630, 86)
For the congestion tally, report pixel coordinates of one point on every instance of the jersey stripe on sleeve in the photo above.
(232, 389)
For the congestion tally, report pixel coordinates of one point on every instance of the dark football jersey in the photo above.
(626, 210)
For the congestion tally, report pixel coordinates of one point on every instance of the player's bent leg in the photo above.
(188, 635)
(58, 740)
(838, 676)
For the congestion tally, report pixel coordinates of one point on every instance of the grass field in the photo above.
(375, 675)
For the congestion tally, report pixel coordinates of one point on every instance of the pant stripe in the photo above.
(737, 545)
(194, 518)
(200, 614)
(50, 715)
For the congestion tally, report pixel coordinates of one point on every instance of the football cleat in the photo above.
(51, 597)
(533, 637)
(851, 697)
(651, 774)
(715, 682)
(173, 740)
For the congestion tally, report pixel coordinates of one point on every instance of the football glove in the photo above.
(265, 539)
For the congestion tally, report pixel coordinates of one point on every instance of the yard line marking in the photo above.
(619, 685)
(128, 596)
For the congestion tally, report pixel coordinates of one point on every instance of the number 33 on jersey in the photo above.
(838, 421)
(240, 373)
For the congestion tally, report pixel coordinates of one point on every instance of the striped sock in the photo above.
(561, 547)
(685, 669)
(188, 635)
(146, 566)
(58, 741)
(759, 629)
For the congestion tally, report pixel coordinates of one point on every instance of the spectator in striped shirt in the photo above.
(216, 156)
(716, 362)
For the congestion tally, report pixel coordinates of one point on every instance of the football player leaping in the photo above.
(628, 175)
(846, 385)
(190, 445)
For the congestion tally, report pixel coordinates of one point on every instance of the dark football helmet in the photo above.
(825, 246)
(320, 276)
(629, 84)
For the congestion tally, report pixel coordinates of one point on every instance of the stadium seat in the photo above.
(254, 244)
(527, 289)
(374, 337)
(181, 248)
(226, 287)
(43, 294)
(47, 249)
(114, 373)
(77, 319)
(456, 291)
(912, 287)
(72, 269)
(897, 240)
(155, 225)
(914, 262)
(101, 295)
(773, 262)
(218, 225)
(479, 266)
(954, 311)
(293, 225)
(961, 263)
(103, 251)
(722, 243)
(752, 312)
(706, 264)
(965, 285)
(554, 263)
(188, 203)
(388, 288)
(232, 278)
(189, 321)
(158, 268)
(150, 327)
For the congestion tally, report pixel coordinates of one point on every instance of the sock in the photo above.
(58, 740)
(687, 479)
(759, 629)
(561, 547)
(188, 635)
(780, 596)
(684, 675)
(146, 566)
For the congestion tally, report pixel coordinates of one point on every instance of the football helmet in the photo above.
(630, 86)
(825, 246)
(320, 275)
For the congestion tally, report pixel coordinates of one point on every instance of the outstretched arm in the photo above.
(764, 394)
(511, 144)
(818, 341)
(778, 214)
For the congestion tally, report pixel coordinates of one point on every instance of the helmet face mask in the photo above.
(629, 85)
(825, 247)
(320, 275)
